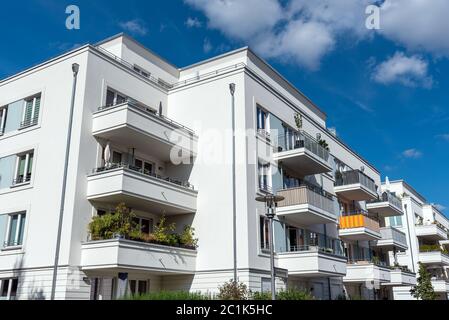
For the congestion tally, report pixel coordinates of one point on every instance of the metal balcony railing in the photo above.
(29, 122)
(306, 195)
(315, 248)
(22, 179)
(147, 110)
(390, 233)
(142, 171)
(390, 198)
(299, 140)
(353, 177)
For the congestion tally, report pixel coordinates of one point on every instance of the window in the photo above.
(8, 288)
(264, 234)
(262, 169)
(24, 166)
(143, 166)
(146, 225)
(31, 112)
(396, 221)
(138, 287)
(262, 117)
(3, 112)
(116, 157)
(15, 231)
(114, 98)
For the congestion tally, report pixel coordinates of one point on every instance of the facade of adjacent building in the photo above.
(159, 139)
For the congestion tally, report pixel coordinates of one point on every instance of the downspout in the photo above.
(409, 238)
(234, 192)
(75, 69)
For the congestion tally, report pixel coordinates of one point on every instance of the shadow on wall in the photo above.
(35, 293)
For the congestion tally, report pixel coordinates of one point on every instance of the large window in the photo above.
(396, 221)
(263, 171)
(3, 112)
(138, 287)
(145, 225)
(31, 112)
(113, 98)
(8, 288)
(24, 167)
(15, 231)
(264, 233)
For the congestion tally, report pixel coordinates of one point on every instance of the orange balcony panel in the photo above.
(359, 227)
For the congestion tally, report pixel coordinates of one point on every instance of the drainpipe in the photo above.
(234, 192)
(75, 69)
(409, 238)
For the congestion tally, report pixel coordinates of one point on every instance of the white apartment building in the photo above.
(427, 231)
(330, 235)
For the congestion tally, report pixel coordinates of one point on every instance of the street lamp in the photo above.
(271, 202)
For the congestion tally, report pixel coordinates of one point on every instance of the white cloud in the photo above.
(207, 45)
(193, 23)
(136, 27)
(417, 24)
(444, 136)
(412, 153)
(409, 71)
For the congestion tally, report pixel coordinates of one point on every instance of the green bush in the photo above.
(293, 294)
(430, 248)
(261, 296)
(164, 233)
(111, 224)
(187, 237)
(233, 290)
(169, 295)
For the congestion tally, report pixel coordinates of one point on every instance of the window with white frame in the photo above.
(114, 98)
(30, 115)
(263, 174)
(24, 167)
(396, 221)
(144, 166)
(3, 113)
(138, 287)
(15, 230)
(264, 233)
(145, 225)
(8, 288)
(262, 119)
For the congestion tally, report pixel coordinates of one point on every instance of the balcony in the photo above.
(364, 271)
(117, 254)
(400, 277)
(433, 257)
(302, 154)
(355, 185)
(358, 227)
(431, 232)
(123, 183)
(387, 206)
(305, 206)
(440, 285)
(392, 238)
(312, 261)
(132, 124)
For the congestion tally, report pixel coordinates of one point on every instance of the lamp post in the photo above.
(271, 202)
(234, 192)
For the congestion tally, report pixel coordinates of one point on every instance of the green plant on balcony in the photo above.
(111, 225)
(324, 144)
(187, 237)
(375, 260)
(423, 288)
(431, 248)
(298, 121)
(163, 233)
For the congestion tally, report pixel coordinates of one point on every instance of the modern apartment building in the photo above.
(427, 231)
(159, 138)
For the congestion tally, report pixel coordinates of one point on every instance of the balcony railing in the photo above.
(353, 177)
(264, 133)
(306, 195)
(126, 166)
(336, 248)
(359, 219)
(22, 179)
(393, 234)
(29, 122)
(299, 140)
(135, 104)
(390, 198)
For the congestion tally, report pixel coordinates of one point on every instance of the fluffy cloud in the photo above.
(193, 23)
(417, 24)
(444, 136)
(412, 153)
(207, 46)
(136, 27)
(409, 71)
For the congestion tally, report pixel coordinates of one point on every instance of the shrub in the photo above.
(261, 296)
(111, 224)
(164, 233)
(430, 248)
(169, 295)
(423, 288)
(293, 294)
(233, 290)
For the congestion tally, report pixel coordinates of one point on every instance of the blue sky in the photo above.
(385, 91)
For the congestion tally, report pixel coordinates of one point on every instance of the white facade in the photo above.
(141, 108)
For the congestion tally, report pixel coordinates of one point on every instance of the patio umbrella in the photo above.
(107, 154)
